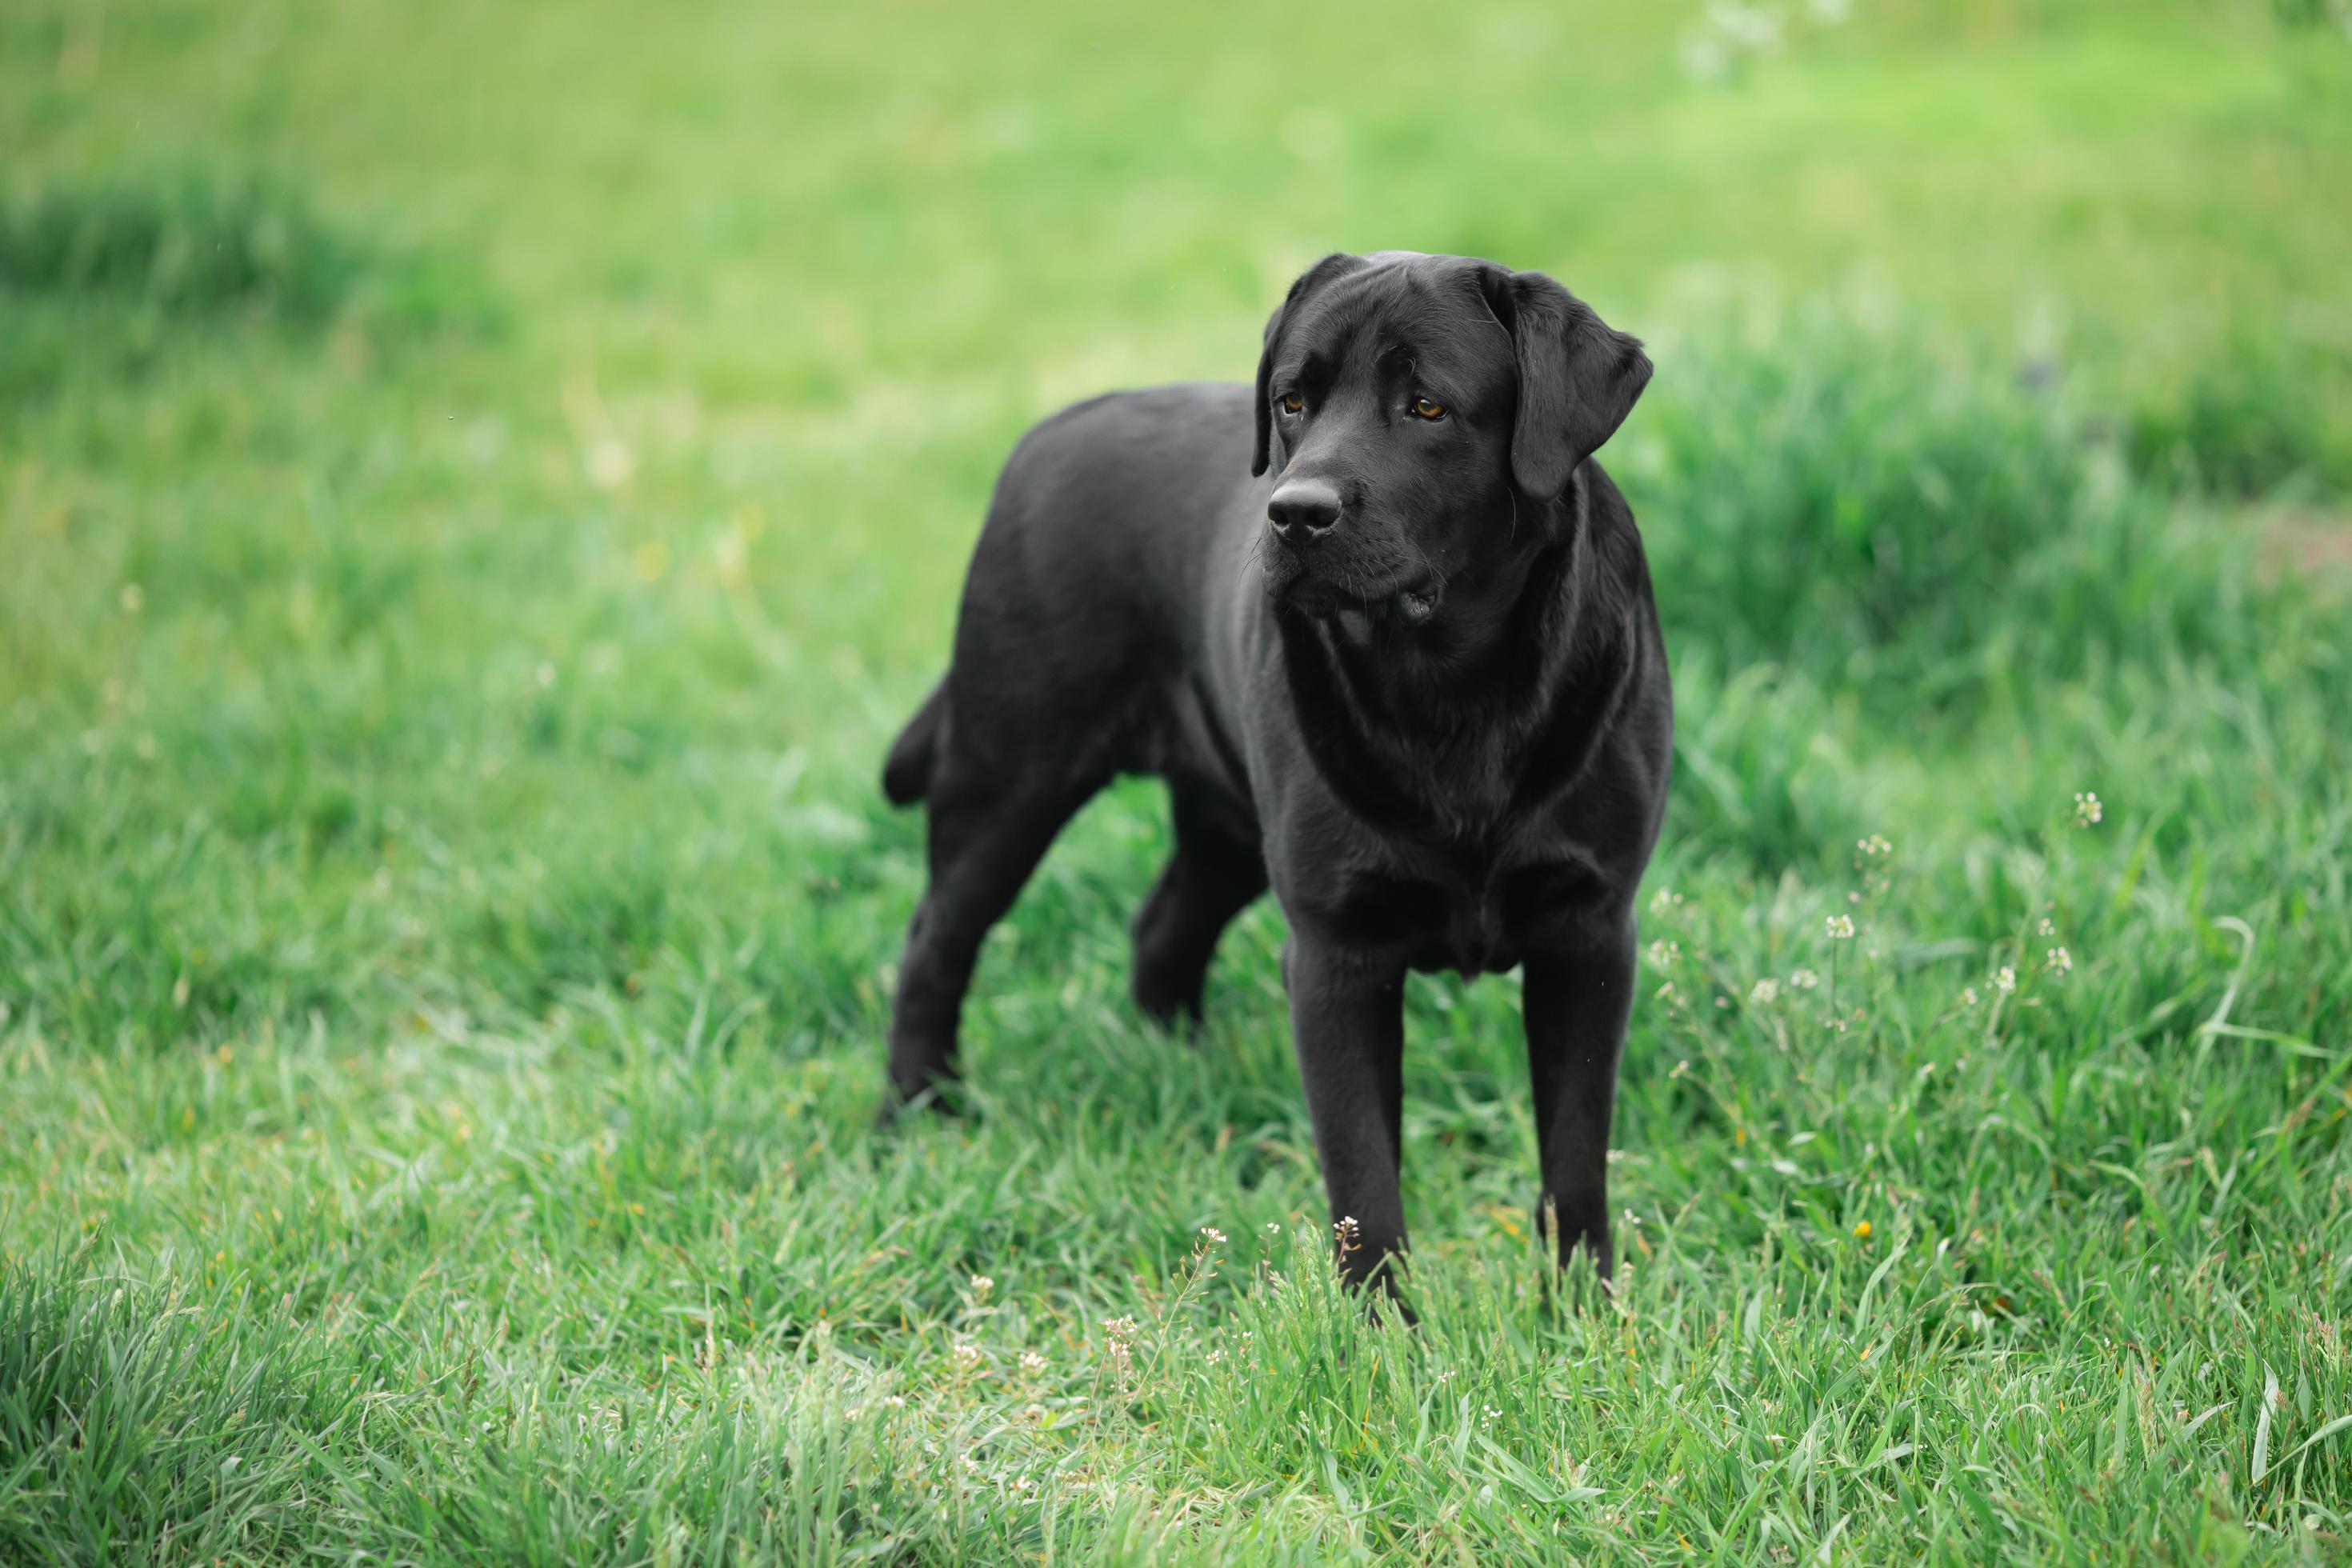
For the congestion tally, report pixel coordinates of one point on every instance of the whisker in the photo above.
(1253, 557)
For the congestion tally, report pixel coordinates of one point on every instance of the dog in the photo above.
(1386, 630)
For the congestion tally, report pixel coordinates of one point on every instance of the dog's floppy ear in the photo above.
(1331, 266)
(1577, 378)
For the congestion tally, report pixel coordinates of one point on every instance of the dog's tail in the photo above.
(907, 776)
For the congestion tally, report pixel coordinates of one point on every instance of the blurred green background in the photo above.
(480, 485)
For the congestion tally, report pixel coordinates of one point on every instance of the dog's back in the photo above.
(1085, 579)
(1110, 507)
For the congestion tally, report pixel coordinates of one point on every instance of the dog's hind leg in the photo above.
(1211, 877)
(983, 843)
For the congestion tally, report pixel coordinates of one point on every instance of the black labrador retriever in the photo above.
(1387, 632)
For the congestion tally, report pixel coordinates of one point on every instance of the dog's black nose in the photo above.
(1303, 510)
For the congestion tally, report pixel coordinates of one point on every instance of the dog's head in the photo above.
(1421, 413)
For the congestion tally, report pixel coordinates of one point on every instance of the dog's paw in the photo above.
(897, 1110)
(1173, 1009)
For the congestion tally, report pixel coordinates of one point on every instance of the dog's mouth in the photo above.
(1410, 604)
(1415, 605)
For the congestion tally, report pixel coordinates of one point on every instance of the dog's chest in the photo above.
(1472, 913)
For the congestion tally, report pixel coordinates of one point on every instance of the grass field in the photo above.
(479, 487)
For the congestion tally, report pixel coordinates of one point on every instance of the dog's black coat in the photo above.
(1387, 632)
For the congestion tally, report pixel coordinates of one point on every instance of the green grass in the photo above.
(478, 491)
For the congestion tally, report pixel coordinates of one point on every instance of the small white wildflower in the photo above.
(1968, 995)
(1875, 847)
(895, 1401)
(2047, 929)
(1663, 900)
(1668, 993)
(1840, 928)
(1213, 1235)
(1664, 955)
(2061, 961)
(2087, 809)
(967, 1355)
(981, 1285)
(1490, 1417)
(1764, 992)
(1803, 980)
(2004, 980)
(1032, 1362)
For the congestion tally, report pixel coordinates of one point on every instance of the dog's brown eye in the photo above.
(1294, 404)
(1424, 409)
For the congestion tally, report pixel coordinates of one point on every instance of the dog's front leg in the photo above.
(1347, 1020)
(1577, 993)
